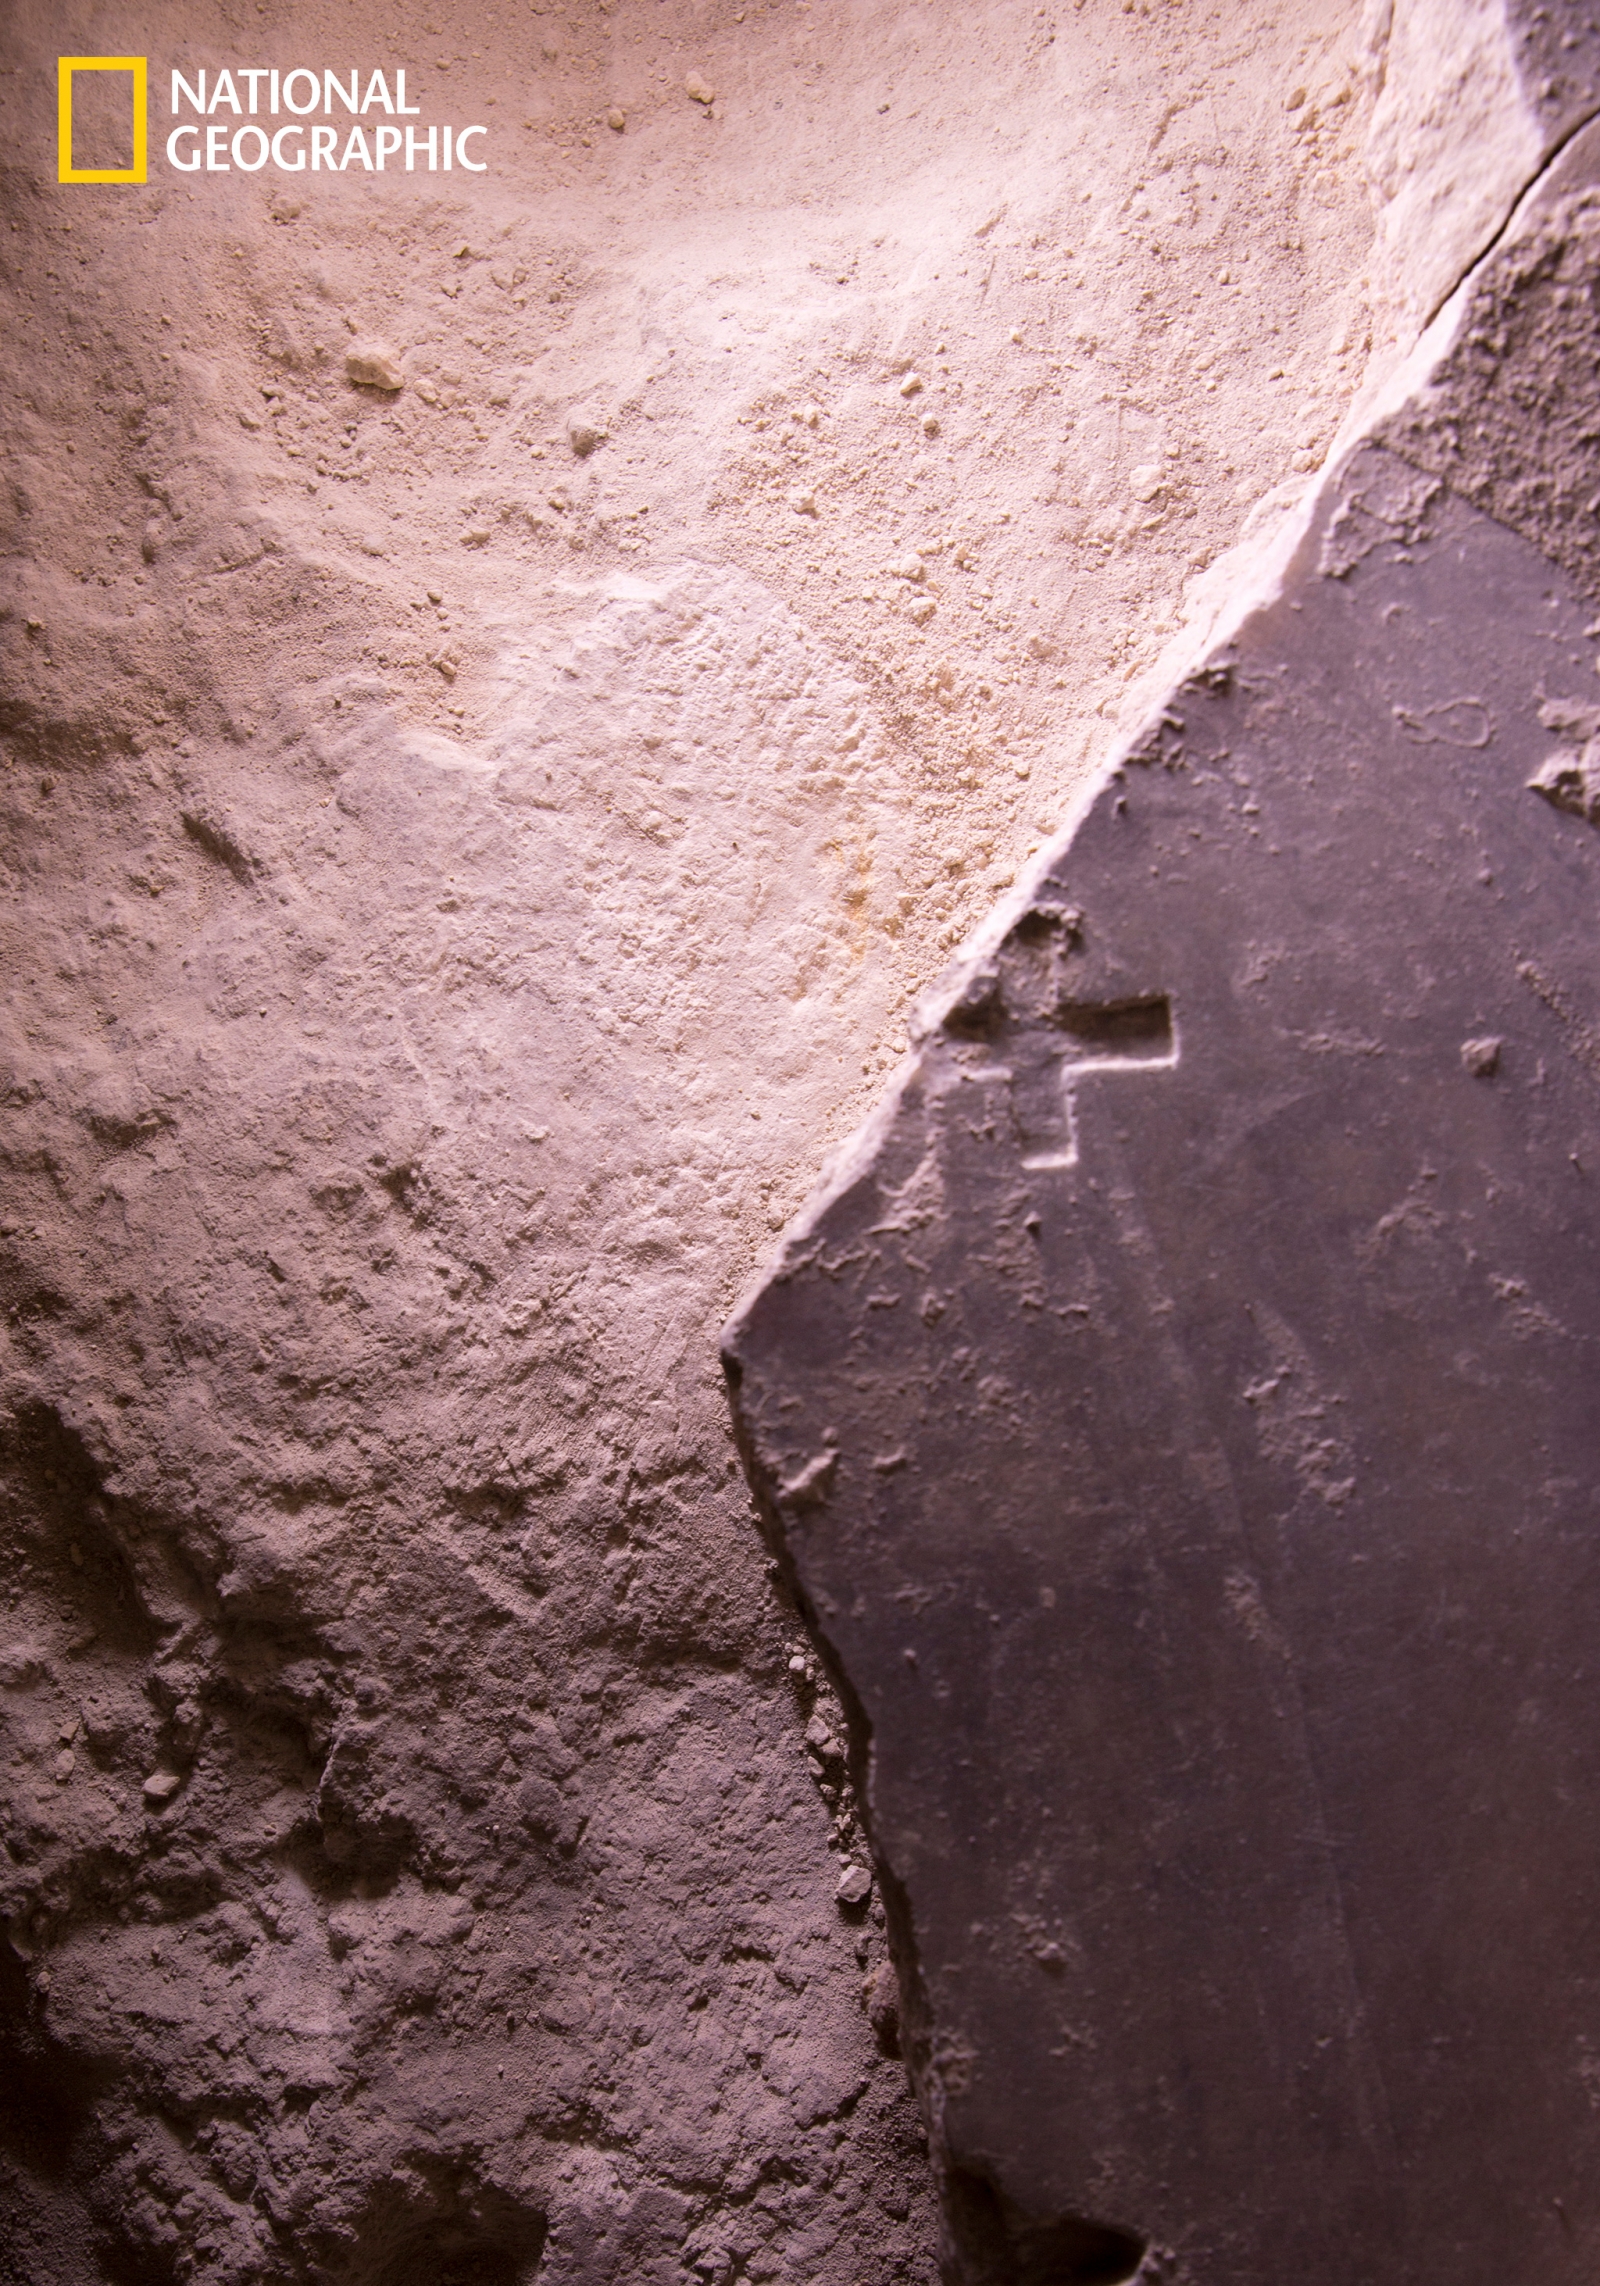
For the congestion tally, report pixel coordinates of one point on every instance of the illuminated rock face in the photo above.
(508, 684)
(1178, 1418)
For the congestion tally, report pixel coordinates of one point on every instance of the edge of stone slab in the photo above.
(1247, 579)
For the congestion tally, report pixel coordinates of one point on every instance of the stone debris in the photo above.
(700, 88)
(819, 1735)
(586, 434)
(1570, 780)
(371, 366)
(23, 1664)
(160, 1787)
(855, 1886)
(1481, 1057)
(617, 119)
(880, 1997)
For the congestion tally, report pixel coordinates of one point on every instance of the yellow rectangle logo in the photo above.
(66, 172)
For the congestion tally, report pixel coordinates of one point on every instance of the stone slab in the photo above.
(1178, 1420)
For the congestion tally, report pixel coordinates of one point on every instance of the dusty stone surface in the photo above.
(1176, 1420)
(1174, 1413)
(467, 846)
(1508, 417)
(1472, 99)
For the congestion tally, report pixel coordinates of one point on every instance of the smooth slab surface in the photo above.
(1179, 1422)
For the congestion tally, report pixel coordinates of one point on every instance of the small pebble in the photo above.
(370, 366)
(585, 436)
(160, 1787)
(66, 1763)
(803, 503)
(701, 89)
(911, 385)
(797, 1665)
(22, 1664)
(855, 1885)
(1481, 1057)
(930, 424)
(616, 119)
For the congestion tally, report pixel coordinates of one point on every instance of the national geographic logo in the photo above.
(107, 126)
(240, 121)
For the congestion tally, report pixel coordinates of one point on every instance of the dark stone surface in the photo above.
(1179, 1420)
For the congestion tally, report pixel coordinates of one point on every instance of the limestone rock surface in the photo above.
(467, 849)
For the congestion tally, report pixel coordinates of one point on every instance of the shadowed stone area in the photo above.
(1178, 1420)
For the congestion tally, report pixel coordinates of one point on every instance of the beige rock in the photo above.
(371, 366)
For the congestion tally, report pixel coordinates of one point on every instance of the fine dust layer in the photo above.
(1177, 1416)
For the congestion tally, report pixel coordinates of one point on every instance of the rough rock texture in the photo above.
(1176, 1415)
(1473, 98)
(467, 847)
(1508, 418)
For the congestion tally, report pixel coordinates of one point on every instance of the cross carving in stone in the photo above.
(1112, 1036)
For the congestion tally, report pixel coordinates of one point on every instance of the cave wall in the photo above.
(470, 846)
